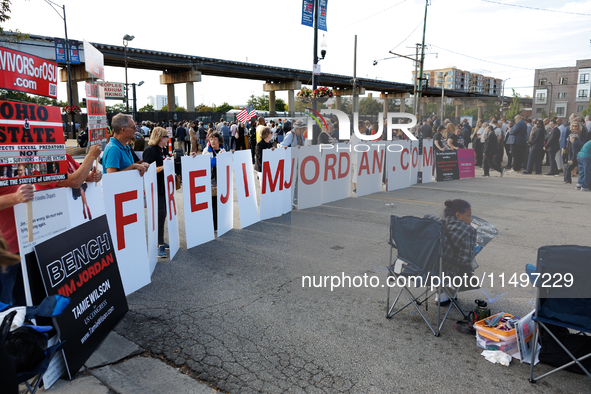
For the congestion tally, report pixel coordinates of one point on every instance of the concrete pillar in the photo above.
(190, 97)
(386, 103)
(291, 102)
(170, 97)
(458, 104)
(75, 98)
(402, 104)
(338, 102)
(481, 106)
(272, 103)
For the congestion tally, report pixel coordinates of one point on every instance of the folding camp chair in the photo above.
(418, 242)
(567, 307)
(51, 306)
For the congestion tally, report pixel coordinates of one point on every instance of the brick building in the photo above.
(457, 79)
(562, 90)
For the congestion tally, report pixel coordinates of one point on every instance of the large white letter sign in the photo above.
(398, 164)
(245, 188)
(309, 177)
(414, 161)
(197, 199)
(151, 188)
(370, 164)
(85, 203)
(428, 161)
(225, 193)
(272, 182)
(291, 168)
(337, 173)
(124, 204)
(172, 214)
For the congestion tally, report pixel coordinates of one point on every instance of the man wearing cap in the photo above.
(296, 136)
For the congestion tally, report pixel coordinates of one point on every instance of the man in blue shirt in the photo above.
(117, 155)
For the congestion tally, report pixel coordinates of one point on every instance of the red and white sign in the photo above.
(309, 179)
(414, 162)
(113, 90)
(172, 211)
(27, 73)
(197, 199)
(273, 179)
(369, 169)
(151, 192)
(428, 161)
(123, 193)
(97, 114)
(225, 193)
(336, 176)
(245, 188)
(32, 146)
(398, 164)
(94, 61)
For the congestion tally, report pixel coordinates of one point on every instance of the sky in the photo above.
(479, 36)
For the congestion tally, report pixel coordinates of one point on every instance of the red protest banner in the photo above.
(27, 73)
(32, 146)
(97, 113)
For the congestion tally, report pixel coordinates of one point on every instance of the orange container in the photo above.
(492, 332)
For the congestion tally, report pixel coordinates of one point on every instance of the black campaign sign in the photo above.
(81, 264)
(485, 231)
(447, 166)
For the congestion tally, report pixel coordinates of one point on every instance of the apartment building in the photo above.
(562, 90)
(456, 79)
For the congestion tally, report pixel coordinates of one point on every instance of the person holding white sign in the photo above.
(155, 152)
(214, 148)
(117, 155)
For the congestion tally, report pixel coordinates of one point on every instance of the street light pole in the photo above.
(422, 54)
(135, 99)
(442, 97)
(52, 4)
(126, 39)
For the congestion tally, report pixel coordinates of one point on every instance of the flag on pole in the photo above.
(246, 114)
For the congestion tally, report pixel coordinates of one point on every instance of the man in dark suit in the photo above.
(517, 139)
(490, 150)
(553, 146)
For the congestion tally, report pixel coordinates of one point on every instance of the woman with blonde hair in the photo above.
(156, 152)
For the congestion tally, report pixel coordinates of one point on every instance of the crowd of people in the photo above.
(528, 145)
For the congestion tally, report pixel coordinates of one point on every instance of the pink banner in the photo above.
(466, 163)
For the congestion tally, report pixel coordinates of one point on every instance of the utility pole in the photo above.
(315, 59)
(422, 53)
(354, 80)
(415, 101)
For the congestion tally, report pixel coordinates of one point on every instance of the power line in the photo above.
(402, 42)
(535, 8)
(483, 60)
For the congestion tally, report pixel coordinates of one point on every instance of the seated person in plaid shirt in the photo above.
(459, 242)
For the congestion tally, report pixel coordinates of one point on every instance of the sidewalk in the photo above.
(120, 366)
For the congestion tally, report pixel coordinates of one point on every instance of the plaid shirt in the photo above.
(463, 237)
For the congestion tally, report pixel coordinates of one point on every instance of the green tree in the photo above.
(369, 106)
(117, 108)
(10, 95)
(180, 109)
(225, 107)
(493, 108)
(515, 108)
(16, 35)
(204, 108)
(586, 111)
(147, 108)
(261, 103)
(543, 114)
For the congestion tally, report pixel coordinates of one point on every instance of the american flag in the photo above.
(246, 114)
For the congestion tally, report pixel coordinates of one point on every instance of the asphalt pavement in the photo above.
(232, 314)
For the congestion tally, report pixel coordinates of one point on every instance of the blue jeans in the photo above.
(202, 141)
(584, 172)
(227, 143)
(280, 138)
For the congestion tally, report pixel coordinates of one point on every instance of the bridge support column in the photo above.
(291, 102)
(272, 103)
(187, 77)
(190, 97)
(338, 102)
(273, 87)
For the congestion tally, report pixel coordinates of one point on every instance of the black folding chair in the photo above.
(419, 258)
(563, 298)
